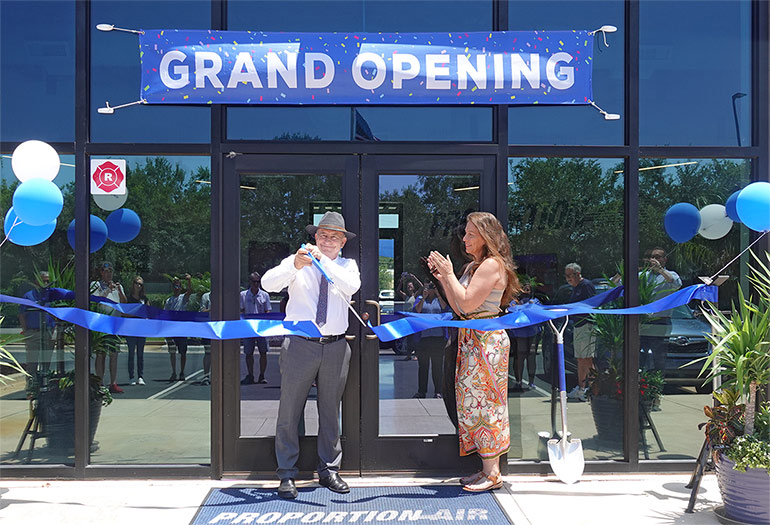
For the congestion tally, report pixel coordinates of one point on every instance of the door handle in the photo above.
(350, 338)
(376, 304)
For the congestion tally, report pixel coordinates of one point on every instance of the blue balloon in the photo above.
(25, 234)
(753, 206)
(123, 225)
(98, 233)
(37, 201)
(682, 222)
(730, 207)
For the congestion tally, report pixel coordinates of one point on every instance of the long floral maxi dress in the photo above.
(481, 389)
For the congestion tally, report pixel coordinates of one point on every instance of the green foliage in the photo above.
(725, 420)
(750, 452)
(6, 358)
(62, 386)
(651, 385)
(762, 422)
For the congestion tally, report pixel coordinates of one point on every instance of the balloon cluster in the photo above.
(750, 206)
(37, 203)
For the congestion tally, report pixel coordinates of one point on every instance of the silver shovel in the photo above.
(566, 457)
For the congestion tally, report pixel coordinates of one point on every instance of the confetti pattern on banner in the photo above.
(251, 67)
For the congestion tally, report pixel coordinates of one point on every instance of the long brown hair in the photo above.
(497, 246)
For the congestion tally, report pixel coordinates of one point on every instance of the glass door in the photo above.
(412, 205)
(277, 196)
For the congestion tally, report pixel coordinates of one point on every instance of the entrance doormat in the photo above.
(416, 505)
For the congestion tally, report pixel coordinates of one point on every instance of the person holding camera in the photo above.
(430, 345)
(179, 301)
(112, 290)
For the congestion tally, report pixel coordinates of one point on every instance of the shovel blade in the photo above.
(566, 459)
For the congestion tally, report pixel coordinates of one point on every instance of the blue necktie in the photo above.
(323, 302)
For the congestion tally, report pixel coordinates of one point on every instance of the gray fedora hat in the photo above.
(330, 221)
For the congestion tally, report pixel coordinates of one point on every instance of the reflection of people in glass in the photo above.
(524, 345)
(666, 281)
(136, 344)
(430, 345)
(307, 359)
(255, 301)
(489, 282)
(583, 341)
(654, 333)
(407, 289)
(37, 328)
(110, 344)
(206, 307)
(178, 302)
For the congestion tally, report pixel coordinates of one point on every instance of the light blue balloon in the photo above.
(682, 221)
(730, 207)
(25, 234)
(753, 206)
(98, 233)
(123, 225)
(37, 201)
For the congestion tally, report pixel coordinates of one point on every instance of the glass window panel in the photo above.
(172, 199)
(42, 345)
(37, 58)
(411, 368)
(115, 74)
(561, 211)
(424, 124)
(578, 125)
(694, 71)
(676, 337)
(273, 221)
(304, 124)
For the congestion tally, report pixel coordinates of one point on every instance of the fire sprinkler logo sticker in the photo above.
(108, 177)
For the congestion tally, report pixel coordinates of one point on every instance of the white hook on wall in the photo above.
(604, 30)
(111, 27)
(109, 110)
(607, 116)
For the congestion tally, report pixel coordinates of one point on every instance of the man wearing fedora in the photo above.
(322, 359)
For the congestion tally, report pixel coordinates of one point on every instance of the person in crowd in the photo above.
(407, 290)
(37, 328)
(524, 345)
(136, 294)
(206, 307)
(255, 301)
(583, 341)
(110, 344)
(322, 359)
(430, 345)
(666, 281)
(488, 285)
(179, 301)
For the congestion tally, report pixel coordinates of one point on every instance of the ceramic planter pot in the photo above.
(744, 494)
(607, 413)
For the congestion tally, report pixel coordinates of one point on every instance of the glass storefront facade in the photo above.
(225, 191)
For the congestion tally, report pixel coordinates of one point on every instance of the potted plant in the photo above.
(56, 408)
(8, 363)
(738, 425)
(605, 381)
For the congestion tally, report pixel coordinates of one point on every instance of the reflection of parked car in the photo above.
(685, 342)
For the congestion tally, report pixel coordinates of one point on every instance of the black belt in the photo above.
(325, 340)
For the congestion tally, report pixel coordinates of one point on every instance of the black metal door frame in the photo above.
(257, 454)
(403, 453)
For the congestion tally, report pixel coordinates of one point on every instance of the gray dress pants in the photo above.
(301, 363)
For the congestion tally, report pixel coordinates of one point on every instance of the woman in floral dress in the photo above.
(481, 385)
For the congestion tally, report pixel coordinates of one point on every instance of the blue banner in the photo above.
(249, 67)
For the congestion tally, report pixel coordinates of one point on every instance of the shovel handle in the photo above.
(559, 333)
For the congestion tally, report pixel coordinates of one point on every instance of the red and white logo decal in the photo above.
(108, 177)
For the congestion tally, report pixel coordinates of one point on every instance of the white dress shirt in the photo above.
(304, 286)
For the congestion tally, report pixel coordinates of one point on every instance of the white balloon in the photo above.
(35, 159)
(714, 222)
(110, 202)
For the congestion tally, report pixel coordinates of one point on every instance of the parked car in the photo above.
(685, 342)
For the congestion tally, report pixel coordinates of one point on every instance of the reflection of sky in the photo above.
(694, 57)
(65, 176)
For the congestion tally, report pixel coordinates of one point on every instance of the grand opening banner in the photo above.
(246, 67)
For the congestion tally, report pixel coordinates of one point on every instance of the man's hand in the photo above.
(302, 257)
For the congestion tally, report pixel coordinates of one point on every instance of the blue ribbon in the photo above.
(235, 329)
(268, 325)
(531, 314)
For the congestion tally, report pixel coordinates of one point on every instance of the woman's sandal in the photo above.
(472, 478)
(485, 483)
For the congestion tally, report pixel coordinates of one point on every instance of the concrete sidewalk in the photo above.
(538, 500)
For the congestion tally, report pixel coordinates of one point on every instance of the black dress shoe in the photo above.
(334, 483)
(287, 489)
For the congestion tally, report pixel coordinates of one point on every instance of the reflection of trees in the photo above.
(570, 208)
(566, 207)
